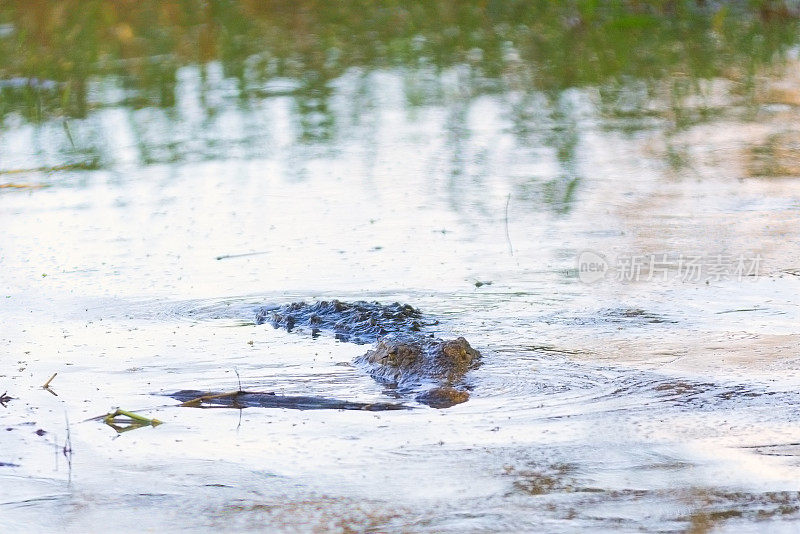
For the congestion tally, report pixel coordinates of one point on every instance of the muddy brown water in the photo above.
(648, 399)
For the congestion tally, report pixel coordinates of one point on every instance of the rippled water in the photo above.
(665, 402)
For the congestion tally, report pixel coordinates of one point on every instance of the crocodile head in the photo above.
(405, 359)
(455, 357)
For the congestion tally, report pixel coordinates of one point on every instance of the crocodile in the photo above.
(355, 322)
(404, 357)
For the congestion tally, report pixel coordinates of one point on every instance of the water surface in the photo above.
(197, 165)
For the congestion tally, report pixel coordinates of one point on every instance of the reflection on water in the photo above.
(202, 81)
(205, 159)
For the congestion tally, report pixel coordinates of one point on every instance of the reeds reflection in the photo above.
(198, 80)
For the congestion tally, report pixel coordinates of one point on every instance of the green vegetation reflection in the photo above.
(64, 62)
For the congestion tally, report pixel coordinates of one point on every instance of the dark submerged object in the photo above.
(429, 366)
(257, 399)
(404, 357)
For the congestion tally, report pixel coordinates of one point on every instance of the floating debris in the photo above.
(242, 255)
(259, 399)
(46, 385)
(23, 186)
(123, 420)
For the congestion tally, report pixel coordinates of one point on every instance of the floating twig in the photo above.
(47, 384)
(69, 134)
(258, 399)
(67, 449)
(239, 378)
(197, 401)
(129, 421)
(111, 418)
(47, 387)
(23, 186)
(55, 168)
(228, 256)
(508, 236)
